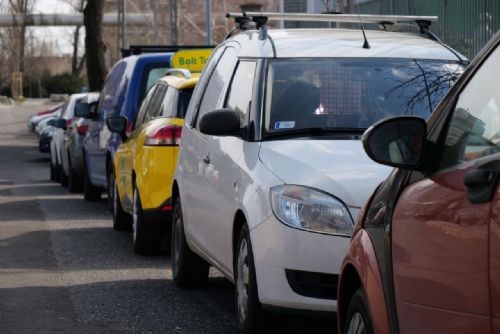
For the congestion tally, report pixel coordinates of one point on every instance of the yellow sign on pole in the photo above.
(17, 85)
(192, 60)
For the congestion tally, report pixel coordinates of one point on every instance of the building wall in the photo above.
(190, 22)
(466, 25)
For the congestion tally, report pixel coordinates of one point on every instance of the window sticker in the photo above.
(284, 125)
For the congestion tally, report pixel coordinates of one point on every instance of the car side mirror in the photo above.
(117, 124)
(60, 123)
(221, 122)
(85, 110)
(397, 142)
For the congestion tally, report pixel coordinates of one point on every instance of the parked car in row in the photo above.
(37, 117)
(144, 163)
(271, 171)
(57, 140)
(72, 146)
(124, 89)
(423, 257)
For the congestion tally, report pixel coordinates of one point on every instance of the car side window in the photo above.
(200, 86)
(167, 108)
(218, 80)
(474, 128)
(240, 92)
(155, 103)
(144, 105)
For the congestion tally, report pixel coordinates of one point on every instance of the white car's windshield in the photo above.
(352, 93)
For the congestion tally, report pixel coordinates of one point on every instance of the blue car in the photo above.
(126, 85)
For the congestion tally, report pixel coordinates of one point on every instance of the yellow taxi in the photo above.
(145, 161)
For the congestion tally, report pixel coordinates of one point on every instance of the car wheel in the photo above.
(111, 189)
(74, 180)
(188, 269)
(63, 178)
(248, 308)
(147, 237)
(53, 174)
(90, 192)
(57, 172)
(358, 319)
(122, 221)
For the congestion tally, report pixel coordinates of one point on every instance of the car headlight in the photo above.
(310, 209)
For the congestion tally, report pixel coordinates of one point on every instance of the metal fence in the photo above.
(466, 25)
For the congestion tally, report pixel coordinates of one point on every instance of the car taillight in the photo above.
(169, 135)
(82, 129)
(129, 128)
(68, 123)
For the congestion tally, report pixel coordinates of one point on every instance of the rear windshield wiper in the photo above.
(316, 132)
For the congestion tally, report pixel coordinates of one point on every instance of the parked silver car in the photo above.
(71, 149)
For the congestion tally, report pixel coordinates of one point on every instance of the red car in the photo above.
(425, 255)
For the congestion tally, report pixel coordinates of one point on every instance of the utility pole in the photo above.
(208, 27)
(154, 7)
(173, 22)
(122, 26)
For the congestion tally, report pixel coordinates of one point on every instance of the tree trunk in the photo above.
(94, 45)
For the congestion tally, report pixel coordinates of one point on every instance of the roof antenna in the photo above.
(366, 45)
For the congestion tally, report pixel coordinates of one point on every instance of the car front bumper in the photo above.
(297, 269)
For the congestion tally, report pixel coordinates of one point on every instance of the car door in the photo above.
(98, 134)
(441, 225)
(124, 156)
(203, 207)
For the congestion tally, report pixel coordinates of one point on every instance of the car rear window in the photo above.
(152, 73)
(352, 93)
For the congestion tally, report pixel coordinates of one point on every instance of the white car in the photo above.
(57, 140)
(272, 174)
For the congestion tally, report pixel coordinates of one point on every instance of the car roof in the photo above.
(301, 43)
(179, 82)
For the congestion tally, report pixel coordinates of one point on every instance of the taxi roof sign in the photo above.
(192, 60)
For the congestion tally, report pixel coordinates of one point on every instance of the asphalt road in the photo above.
(64, 270)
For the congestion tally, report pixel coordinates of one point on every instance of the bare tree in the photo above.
(76, 66)
(21, 7)
(94, 45)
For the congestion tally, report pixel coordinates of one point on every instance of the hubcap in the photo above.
(242, 280)
(177, 242)
(134, 214)
(356, 325)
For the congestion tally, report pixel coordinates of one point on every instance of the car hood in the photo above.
(338, 167)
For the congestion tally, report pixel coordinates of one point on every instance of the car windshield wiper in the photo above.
(315, 132)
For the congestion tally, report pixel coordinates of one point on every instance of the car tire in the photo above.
(91, 193)
(147, 237)
(122, 221)
(249, 311)
(63, 178)
(74, 181)
(110, 189)
(188, 268)
(57, 172)
(53, 174)
(358, 319)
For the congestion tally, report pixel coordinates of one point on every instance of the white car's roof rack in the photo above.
(348, 18)
(248, 20)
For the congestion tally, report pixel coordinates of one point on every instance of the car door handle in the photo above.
(482, 180)
(206, 159)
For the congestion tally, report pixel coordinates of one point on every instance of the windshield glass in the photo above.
(352, 93)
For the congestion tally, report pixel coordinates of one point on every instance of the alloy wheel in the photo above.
(242, 280)
(135, 210)
(356, 324)
(177, 233)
